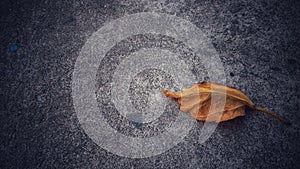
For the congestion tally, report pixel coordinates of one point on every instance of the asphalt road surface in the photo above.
(256, 46)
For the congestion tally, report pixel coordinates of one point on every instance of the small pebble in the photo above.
(138, 125)
(13, 48)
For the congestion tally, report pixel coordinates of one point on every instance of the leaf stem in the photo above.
(272, 114)
(175, 95)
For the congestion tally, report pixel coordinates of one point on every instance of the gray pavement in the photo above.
(256, 41)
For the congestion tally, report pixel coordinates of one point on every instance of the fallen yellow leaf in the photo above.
(208, 101)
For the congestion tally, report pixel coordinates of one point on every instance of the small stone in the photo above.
(138, 125)
(13, 48)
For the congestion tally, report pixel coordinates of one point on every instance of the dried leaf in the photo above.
(204, 102)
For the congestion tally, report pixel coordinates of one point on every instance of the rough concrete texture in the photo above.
(257, 41)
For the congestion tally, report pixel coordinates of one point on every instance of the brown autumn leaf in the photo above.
(208, 101)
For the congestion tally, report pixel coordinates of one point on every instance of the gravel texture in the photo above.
(257, 41)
